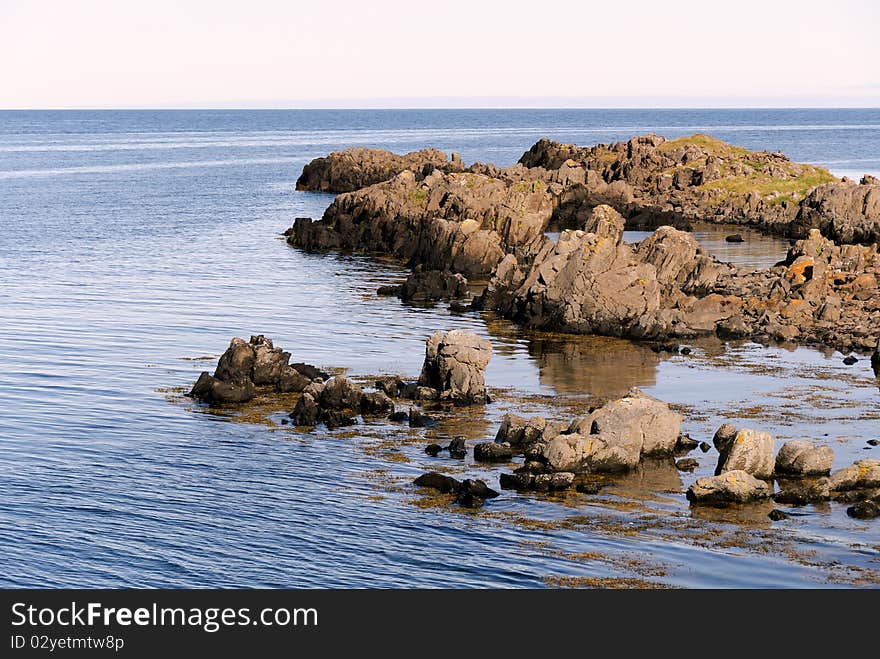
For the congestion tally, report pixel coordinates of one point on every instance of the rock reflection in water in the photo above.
(596, 365)
(745, 513)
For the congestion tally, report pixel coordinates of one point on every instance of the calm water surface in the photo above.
(133, 242)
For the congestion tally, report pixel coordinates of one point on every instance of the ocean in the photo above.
(135, 244)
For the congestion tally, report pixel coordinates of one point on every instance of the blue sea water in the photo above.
(132, 242)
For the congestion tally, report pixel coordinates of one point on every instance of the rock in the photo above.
(462, 222)
(314, 389)
(306, 411)
(418, 419)
(553, 482)
(432, 285)
(400, 417)
(436, 481)
(519, 432)
(686, 464)
(777, 515)
(340, 393)
(389, 291)
(730, 487)
(268, 364)
(457, 448)
(376, 404)
(589, 487)
(309, 371)
(862, 474)
(864, 510)
(237, 363)
(290, 380)
(472, 493)
(615, 436)
(390, 386)
(684, 444)
(334, 419)
(492, 452)
(749, 450)
(854, 496)
(845, 212)
(704, 447)
(433, 450)
(455, 364)
(734, 238)
(804, 459)
(875, 357)
(849, 360)
(352, 169)
(210, 390)
(873, 442)
(516, 481)
(724, 436)
(802, 491)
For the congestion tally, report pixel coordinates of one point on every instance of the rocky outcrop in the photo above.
(612, 438)
(730, 487)
(744, 450)
(353, 169)
(247, 365)
(337, 402)
(696, 177)
(799, 458)
(667, 287)
(429, 286)
(455, 365)
(522, 433)
(844, 211)
(462, 222)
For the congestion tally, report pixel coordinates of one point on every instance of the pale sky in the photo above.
(441, 53)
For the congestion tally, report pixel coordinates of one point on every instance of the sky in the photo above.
(443, 53)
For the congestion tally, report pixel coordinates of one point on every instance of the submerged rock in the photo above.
(804, 459)
(687, 464)
(429, 286)
(864, 510)
(455, 364)
(469, 493)
(736, 486)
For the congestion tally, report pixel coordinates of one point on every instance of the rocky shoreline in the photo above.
(488, 223)
(611, 439)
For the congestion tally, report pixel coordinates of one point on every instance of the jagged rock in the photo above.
(340, 393)
(237, 363)
(352, 169)
(210, 390)
(455, 363)
(290, 380)
(269, 363)
(519, 432)
(804, 459)
(615, 436)
(749, 450)
(730, 487)
(376, 404)
(845, 212)
(860, 475)
(306, 411)
(465, 222)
